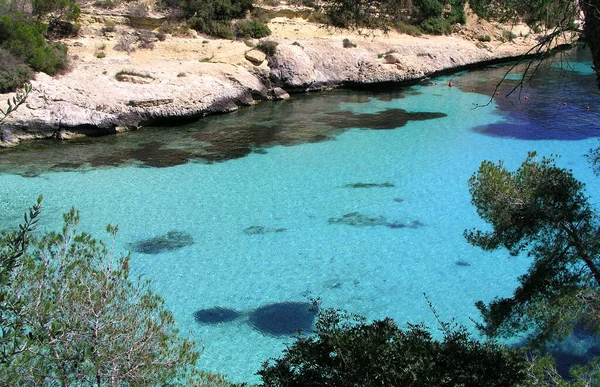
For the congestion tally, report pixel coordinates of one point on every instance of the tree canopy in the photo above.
(70, 315)
(348, 351)
(541, 210)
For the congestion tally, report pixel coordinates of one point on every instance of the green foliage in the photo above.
(542, 210)
(59, 9)
(13, 72)
(436, 26)
(24, 39)
(13, 103)
(269, 47)
(66, 312)
(213, 17)
(251, 29)
(425, 9)
(480, 7)
(348, 351)
(373, 14)
(220, 29)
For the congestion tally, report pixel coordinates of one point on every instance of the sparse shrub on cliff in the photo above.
(269, 47)
(139, 10)
(125, 43)
(13, 72)
(122, 76)
(251, 29)
(109, 26)
(100, 54)
(484, 38)
(109, 4)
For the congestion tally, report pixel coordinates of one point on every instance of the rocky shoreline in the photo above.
(125, 91)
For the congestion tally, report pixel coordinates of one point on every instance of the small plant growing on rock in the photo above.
(388, 52)
(124, 75)
(269, 47)
(100, 54)
(180, 75)
(484, 38)
(348, 44)
(139, 10)
(109, 26)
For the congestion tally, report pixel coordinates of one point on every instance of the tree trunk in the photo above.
(591, 10)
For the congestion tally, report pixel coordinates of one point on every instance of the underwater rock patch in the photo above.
(462, 263)
(172, 240)
(215, 315)
(356, 219)
(260, 230)
(283, 319)
(387, 184)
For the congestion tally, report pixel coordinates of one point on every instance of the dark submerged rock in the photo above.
(462, 263)
(170, 241)
(215, 315)
(387, 184)
(260, 230)
(357, 219)
(283, 319)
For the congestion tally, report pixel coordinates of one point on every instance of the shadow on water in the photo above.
(277, 319)
(561, 102)
(305, 119)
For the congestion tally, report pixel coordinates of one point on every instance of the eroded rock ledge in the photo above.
(179, 83)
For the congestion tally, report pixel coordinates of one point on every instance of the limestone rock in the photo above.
(256, 57)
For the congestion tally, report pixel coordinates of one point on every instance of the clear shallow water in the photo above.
(293, 168)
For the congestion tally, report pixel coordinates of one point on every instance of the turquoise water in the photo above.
(265, 206)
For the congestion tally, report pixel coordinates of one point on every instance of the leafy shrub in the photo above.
(24, 39)
(484, 38)
(251, 29)
(109, 26)
(436, 26)
(216, 9)
(59, 29)
(13, 72)
(139, 10)
(480, 7)
(109, 4)
(426, 9)
(100, 54)
(269, 47)
(457, 12)
(408, 29)
(220, 29)
(348, 351)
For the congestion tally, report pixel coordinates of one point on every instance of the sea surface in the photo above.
(357, 198)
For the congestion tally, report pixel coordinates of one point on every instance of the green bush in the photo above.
(251, 29)
(480, 7)
(25, 40)
(269, 47)
(426, 9)
(220, 29)
(348, 351)
(484, 38)
(436, 26)
(13, 72)
(216, 9)
(457, 12)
